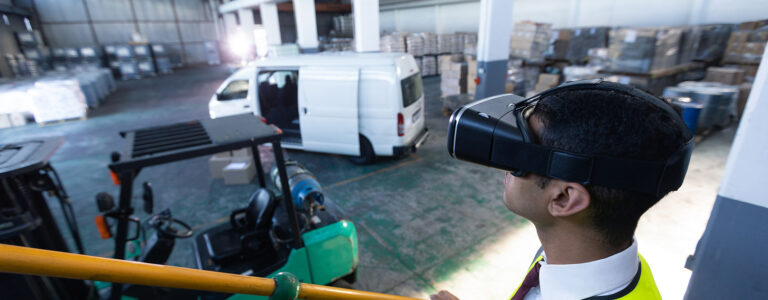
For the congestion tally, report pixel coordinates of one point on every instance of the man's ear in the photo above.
(568, 199)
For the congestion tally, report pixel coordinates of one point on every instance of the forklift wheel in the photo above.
(367, 155)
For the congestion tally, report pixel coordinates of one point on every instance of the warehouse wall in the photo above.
(181, 24)
(449, 18)
(8, 43)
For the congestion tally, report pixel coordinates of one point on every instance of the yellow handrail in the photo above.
(31, 261)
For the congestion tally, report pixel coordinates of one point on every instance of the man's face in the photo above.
(524, 196)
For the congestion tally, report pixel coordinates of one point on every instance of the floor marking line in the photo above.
(346, 181)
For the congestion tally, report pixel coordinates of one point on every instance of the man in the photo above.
(586, 230)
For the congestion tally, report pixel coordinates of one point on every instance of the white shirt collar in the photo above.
(579, 281)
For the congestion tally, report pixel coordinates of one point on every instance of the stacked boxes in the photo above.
(712, 42)
(144, 60)
(235, 167)
(393, 42)
(558, 44)
(689, 43)
(471, 75)
(728, 76)
(414, 44)
(445, 43)
(546, 81)
(642, 50)
(529, 40)
(746, 46)
(429, 65)
(430, 43)
(584, 39)
(453, 75)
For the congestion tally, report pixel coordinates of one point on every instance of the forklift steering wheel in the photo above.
(164, 224)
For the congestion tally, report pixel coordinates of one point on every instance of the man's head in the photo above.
(593, 122)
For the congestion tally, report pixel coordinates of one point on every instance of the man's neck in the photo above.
(571, 244)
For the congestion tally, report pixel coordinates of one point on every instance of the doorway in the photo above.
(278, 101)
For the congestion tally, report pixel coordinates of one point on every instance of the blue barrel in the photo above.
(691, 112)
(305, 189)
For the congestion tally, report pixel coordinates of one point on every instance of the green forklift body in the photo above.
(329, 253)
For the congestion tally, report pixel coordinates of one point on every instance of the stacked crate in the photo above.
(127, 62)
(144, 60)
(453, 75)
(162, 61)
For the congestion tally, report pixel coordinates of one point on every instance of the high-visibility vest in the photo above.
(642, 286)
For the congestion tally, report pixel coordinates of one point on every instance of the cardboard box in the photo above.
(729, 76)
(239, 171)
(548, 79)
(744, 90)
(243, 153)
(217, 162)
(752, 25)
(643, 50)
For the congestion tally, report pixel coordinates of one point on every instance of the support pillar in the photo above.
(230, 24)
(493, 47)
(270, 22)
(306, 25)
(366, 14)
(729, 262)
(247, 26)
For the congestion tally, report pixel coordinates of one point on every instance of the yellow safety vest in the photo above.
(642, 286)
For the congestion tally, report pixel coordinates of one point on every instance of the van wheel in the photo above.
(367, 155)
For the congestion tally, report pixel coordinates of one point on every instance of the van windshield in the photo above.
(411, 89)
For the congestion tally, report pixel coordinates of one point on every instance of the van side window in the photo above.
(236, 89)
(411, 86)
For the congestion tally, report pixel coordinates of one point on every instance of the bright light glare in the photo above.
(238, 44)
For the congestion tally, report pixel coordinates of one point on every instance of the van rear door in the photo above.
(328, 109)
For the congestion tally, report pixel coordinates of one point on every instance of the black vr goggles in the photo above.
(494, 132)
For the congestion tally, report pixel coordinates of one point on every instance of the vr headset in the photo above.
(494, 132)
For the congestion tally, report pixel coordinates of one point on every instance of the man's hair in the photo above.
(599, 122)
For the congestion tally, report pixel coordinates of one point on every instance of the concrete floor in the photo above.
(426, 222)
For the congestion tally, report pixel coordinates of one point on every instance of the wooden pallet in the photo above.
(658, 73)
(62, 121)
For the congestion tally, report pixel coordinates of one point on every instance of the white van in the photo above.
(357, 104)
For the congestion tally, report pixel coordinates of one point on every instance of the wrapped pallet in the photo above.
(429, 65)
(642, 50)
(445, 43)
(584, 39)
(430, 43)
(393, 42)
(712, 42)
(414, 44)
(529, 40)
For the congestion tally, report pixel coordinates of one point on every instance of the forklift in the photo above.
(283, 227)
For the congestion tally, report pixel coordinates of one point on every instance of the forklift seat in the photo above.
(246, 235)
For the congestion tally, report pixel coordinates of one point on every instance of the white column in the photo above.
(247, 25)
(270, 22)
(366, 14)
(744, 178)
(306, 24)
(493, 46)
(230, 24)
